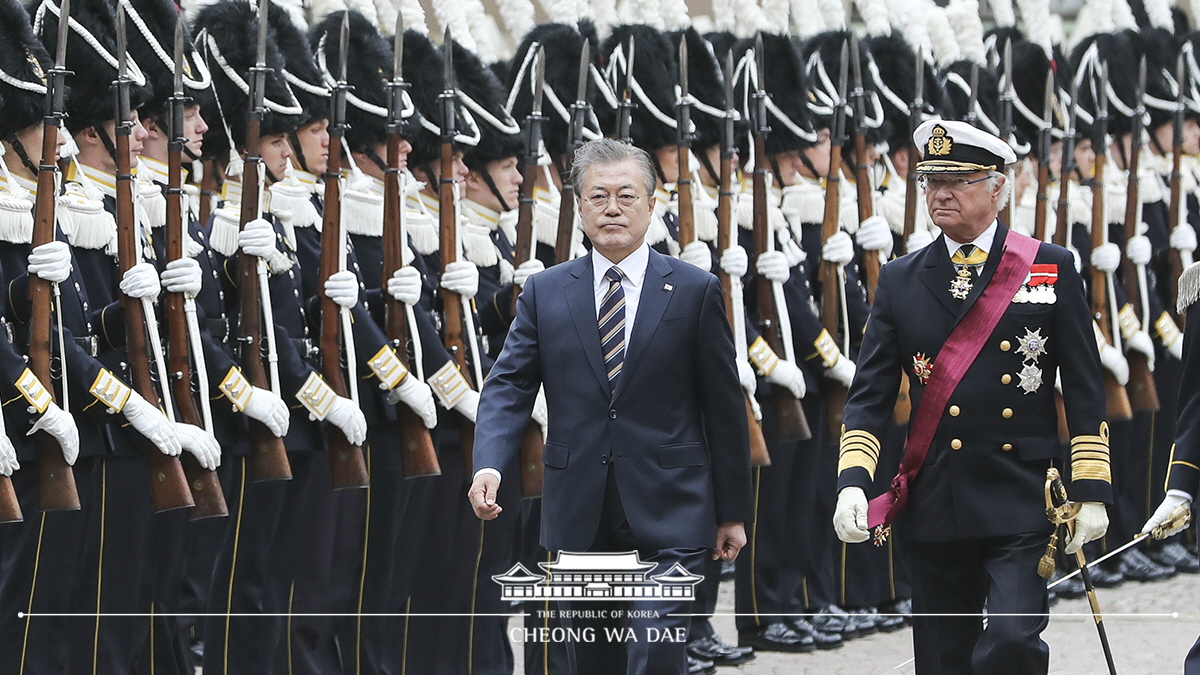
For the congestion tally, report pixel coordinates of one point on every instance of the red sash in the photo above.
(953, 360)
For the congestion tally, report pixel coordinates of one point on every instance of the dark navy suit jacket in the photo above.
(674, 431)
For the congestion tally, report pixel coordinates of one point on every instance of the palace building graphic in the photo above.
(597, 576)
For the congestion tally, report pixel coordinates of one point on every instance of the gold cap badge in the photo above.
(939, 143)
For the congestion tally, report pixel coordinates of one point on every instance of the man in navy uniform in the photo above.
(980, 321)
(648, 445)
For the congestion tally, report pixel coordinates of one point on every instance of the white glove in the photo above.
(1112, 359)
(405, 285)
(1138, 249)
(773, 265)
(150, 422)
(266, 407)
(342, 288)
(1176, 348)
(735, 262)
(540, 414)
(462, 277)
(1183, 238)
(850, 516)
(697, 253)
(51, 261)
(1141, 343)
(842, 371)
(1090, 524)
(418, 396)
(468, 405)
(874, 234)
(345, 415)
(787, 374)
(8, 456)
(141, 281)
(200, 443)
(61, 425)
(747, 377)
(1106, 257)
(183, 276)
(1169, 503)
(918, 240)
(257, 238)
(838, 249)
(527, 269)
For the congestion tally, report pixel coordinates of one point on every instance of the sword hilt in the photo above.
(1178, 519)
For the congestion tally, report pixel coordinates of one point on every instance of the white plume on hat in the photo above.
(1159, 12)
(562, 11)
(640, 12)
(483, 30)
(1123, 16)
(295, 9)
(806, 18)
(319, 9)
(724, 16)
(908, 16)
(1036, 17)
(366, 8)
(1002, 13)
(604, 15)
(834, 12)
(963, 16)
(874, 14)
(518, 16)
(386, 10)
(675, 14)
(941, 35)
(749, 17)
(776, 13)
(453, 15)
(414, 16)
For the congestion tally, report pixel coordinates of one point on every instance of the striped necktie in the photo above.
(612, 326)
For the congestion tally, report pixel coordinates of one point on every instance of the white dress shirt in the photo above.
(633, 274)
(983, 242)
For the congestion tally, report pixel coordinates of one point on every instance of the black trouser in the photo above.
(958, 579)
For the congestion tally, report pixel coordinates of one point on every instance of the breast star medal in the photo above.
(1031, 378)
(1033, 344)
(922, 367)
(961, 286)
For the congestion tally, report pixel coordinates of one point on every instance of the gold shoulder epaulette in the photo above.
(448, 384)
(236, 388)
(33, 391)
(110, 391)
(387, 367)
(316, 396)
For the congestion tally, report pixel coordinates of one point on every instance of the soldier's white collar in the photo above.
(152, 169)
(983, 242)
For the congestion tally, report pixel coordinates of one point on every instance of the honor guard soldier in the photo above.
(978, 321)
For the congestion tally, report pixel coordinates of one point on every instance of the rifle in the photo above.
(862, 178)
(420, 456)
(209, 185)
(1042, 204)
(452, 303)
(832, 275)
(270, 455)
(902, 411)
(205, 486)
(972, 116)
(1062, 215)
(56, 481)
(1178, 260)
(1007, 129)
(347, 465)
(683, 149)
(1115, 394)
(731, 287)
(566, 205)
(792, 422)
(167, 481)
(625, 108)
(1143, 394)
(532, 443)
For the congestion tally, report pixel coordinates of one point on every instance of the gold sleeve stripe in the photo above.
(827, 348)
(1129, 322)
(1180, 462)
(859, 449)
(762, 356)
(1090, 470)
(33, 391)
(110, 391)
(316, 396)
(236, 388)
(1167, 330)
(448, 384)
(387, 367)
(1090, 456)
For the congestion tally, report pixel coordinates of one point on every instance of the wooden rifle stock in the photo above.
(209, 184)
(1041, 208)
(167, 481)
(566, 216)
(866, 208)
(1062, 214)
(452, 303)
(683, 189)
(205, 486)
(56, 480)
(532, 443)
(792, 422)
(347, 466)
(835, 393)
(1143, 393)
(419, 454)
(1117, 399)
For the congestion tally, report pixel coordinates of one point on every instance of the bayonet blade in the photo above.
(1180, 80)
(629, 69)
(539, 79)
(759, 70)
(585, 59)
(398, 49)
(344, 48)
(122, 57)
(1072, 114)
(919, 99)
(1139, 93)
(1008, 78)
(448, 80)
(1048, 107)
(260, 59)
(1102, 100)
(64, 20)
(856, 63)
(683, 66)
(729, 82)
(843, 75)
(973, 99)
(179, 58)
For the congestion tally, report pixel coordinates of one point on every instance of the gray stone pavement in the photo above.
(1150, 626)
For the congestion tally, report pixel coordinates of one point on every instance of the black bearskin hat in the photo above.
(828, 47)
(1030, 65)
(562, 45)
(656, 73)
(368, 67)
(22, 57)
(93, 99)
(423, 70)
(311, 90)
(160, 18)
(957, 80)
(706, 83)
(896, 61)
(478, 82)
(227, 34)
(785, 83)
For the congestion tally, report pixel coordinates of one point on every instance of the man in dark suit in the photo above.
(648, 444)
(975, 518)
